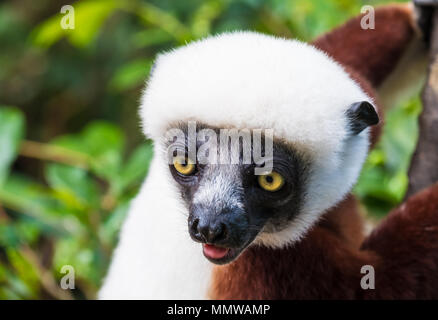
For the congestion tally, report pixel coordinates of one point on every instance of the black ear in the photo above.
(361, 115)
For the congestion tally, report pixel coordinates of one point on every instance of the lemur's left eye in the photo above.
(271, 182)
(182, 165)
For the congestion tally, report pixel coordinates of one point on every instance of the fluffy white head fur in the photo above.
(250, 80)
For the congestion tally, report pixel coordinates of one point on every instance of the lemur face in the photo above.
(230, 204)
(319, 116)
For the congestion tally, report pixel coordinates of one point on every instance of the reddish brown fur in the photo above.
(403, 251)
(373, 53)
(326, 264)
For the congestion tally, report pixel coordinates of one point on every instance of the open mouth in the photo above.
(220, 255)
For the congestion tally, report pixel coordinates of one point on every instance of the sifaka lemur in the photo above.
(220, 231)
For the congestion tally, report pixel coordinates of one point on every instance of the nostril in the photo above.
(194, 226)
(195, 231)
(207, 231)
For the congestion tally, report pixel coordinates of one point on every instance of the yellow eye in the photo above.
(271, 182)
(183, 166)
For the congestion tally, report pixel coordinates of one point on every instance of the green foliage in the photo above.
(79, 206)
(90, 15)
(131, 74)
(11, 132)
(384, 179)
(68, 173)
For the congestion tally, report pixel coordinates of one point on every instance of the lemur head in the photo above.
(299, 109)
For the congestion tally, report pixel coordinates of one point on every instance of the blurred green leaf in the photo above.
(11, 133)
(20, 232)
(131, 75)
(150, 37)
(203, 17)
(48, 32)
(8, 294)
(80, 255)
(27, 283)
(32, 199)
(154, 15)
(110, 228)
(103, 142)
(74, 182)
(137, 165)
(89, 16)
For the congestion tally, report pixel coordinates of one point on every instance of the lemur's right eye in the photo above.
(182, 165)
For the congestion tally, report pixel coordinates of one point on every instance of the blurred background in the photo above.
(71, 152)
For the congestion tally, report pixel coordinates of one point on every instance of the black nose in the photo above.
(205, 229)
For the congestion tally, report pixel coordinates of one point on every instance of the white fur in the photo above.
(242, 80)
(155, 258)
(250, 80)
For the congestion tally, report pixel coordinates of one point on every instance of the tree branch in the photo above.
(54, 153)
(424, 165)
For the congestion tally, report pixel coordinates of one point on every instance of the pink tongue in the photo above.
(214, 252)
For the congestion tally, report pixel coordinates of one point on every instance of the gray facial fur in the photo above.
(221, 187)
